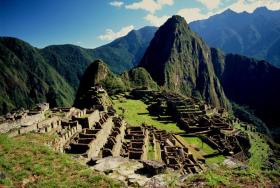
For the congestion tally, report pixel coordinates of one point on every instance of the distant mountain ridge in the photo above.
(254, 34)
(120, 55)
(30, 75)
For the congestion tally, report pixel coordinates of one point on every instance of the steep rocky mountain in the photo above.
(98, 73)
(120, 55)
(179, 60)
(26, 78)
(249, 82)
(254, 34)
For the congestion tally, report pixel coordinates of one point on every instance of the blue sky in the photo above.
(91, 23)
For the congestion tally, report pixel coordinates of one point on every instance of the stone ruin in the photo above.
(22, 120)
(94, 98)
(200, 119)
(165, 146)
(95, 131)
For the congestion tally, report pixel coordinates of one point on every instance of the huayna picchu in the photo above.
(173, 118)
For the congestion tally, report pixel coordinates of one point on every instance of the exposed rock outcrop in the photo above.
(179, 60)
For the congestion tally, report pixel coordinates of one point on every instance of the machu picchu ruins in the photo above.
(93, 130)
(140, 93)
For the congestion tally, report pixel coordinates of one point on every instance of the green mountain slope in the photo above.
(98, 74)
(120, 55)
(126, 52)
(179, 60)
(139, 77)
(249, 82)
(69, 60)
(30, 75)
(26, 79)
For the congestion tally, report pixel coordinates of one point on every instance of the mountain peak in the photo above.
(229, 12)
(176, 20)
(175, 24)
(178, 59)
(261, 10)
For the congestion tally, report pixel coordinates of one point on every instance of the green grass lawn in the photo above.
(199, 144)
(205, 148)
(217, 159)
(136, 113)
(26, 161)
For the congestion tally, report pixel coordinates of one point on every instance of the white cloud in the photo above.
(192, 14)
(149, 5)
(251, 5)
(155, 20)
(116, 3)
(213, 4)
(111, 35)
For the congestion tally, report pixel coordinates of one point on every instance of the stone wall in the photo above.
(101, 139)
(46, 125)
(89, 119)
(69, 130)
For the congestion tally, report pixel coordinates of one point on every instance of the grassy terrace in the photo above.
(26, 161)
(136, 113)
(253, 176)
(206, 149)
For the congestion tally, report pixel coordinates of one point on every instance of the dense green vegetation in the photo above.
(178, 59)
(125, 53)
(26, 78)
(26, 161)
(252, 83)
(246, 114)
(98, 73)
(120, 55)
(69, 60)
(139, 77)
(30, 75)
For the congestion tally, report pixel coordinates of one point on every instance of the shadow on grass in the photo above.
(146, 113)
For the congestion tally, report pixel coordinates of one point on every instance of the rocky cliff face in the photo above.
(249, 82)
(98, 73)
(179, 60)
